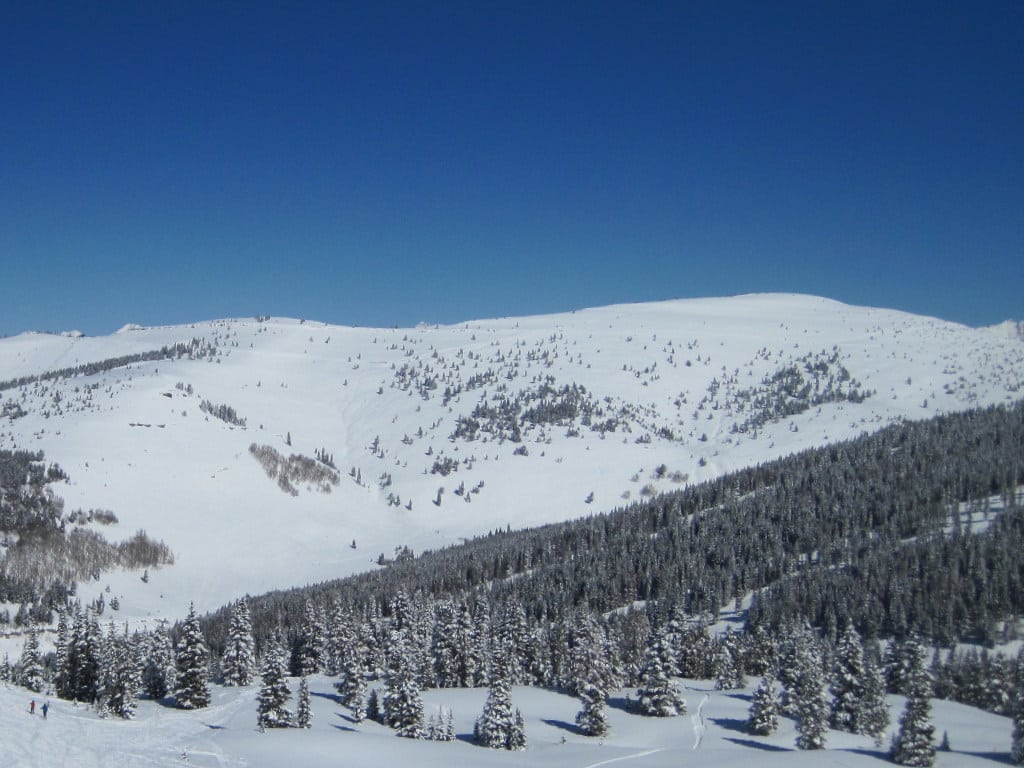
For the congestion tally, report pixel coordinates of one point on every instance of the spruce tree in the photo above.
(303, 713)
(193, 690)
(239, 660)
(875, 709)
(158, 672)
(496, 725)
(402, 705)
(913, 742)
(764, 708)
(1017, 743)
(30, 668)
(848, 686)
(60, 678)
(272, 698)
(592, 719)
(352, 686)
(658, 695)
(808, 693)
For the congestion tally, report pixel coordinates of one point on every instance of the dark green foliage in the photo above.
(913, 742)
(193, 690)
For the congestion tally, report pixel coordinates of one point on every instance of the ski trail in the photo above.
(645, 753)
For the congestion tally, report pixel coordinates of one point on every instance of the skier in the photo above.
(32, 707)
(46, 708)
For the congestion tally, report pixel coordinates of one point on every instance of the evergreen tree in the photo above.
(1017, 743)
(402, 705)
(308, 650)
(808, 694)
(60, 678)
(728, 664)
(30, 668)
(592, 719)
(159, 674)
(273, 696)
(497, 726)
(239, 657)
(913, 742)
(875, 709)
(764, 708)
(303, 713)
(193, 680)
(352, 686)
(848, 686)
(120, 678)
(658, 695)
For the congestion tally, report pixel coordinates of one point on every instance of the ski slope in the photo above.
(134, 439)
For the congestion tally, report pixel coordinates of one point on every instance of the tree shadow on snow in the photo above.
(622, 703)
(758, 745)
(878, 754)
(995, 757)
(731, 724)
(748, 697)
(330, 696)
(348, 718)
(561, 724)
(344, 728)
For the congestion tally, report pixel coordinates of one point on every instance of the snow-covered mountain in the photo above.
(419, 437)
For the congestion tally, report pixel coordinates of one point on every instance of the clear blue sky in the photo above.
(382, 163)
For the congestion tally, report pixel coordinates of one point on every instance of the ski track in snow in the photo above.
(626, 757)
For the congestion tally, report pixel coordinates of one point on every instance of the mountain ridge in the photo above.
(437, 433)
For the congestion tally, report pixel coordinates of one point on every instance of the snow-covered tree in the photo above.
(308, 652)
(592, 719)
(273, 696)
(658, 695)
(120, 675)
(239, 659)
(875, 709)
(352, 686)
(497, 726)
(848, 685)
(1017, 743)
(159, 674)
(729, 663)
(303, 713)
(913, 744)
(30, 668)
(808, 692)
(193, 691)
(764, 708)
(402, 705)
(60, 678)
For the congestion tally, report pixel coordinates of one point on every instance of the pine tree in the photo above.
(272, 698)
(239, 657)
(158, 672)
(1017, 743)
(373, 707)
(848, 686)
(303, 713)
(120, 678)
(30, 668)
(60, 678)
(496, 725)
(592, 719)
(193, 680)
(764, 708)
(402, 705)
(728, 664)
(352, 686)
(658, 695)
(808, 694)
(913, 742)
(875, 709)
(309, 646)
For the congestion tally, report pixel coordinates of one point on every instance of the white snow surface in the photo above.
(224, 735)
(134, 443)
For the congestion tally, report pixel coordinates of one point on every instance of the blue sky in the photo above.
(384, 163)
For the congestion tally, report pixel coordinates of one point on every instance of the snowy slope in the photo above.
(134, 440)
(225, 736)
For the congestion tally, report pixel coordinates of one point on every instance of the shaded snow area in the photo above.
(225, 735)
